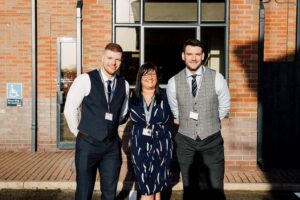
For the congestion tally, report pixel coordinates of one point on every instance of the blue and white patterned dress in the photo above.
(151, 155)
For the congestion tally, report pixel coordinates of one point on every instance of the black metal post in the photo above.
(298, 32)
(34, 79)
(260, 159)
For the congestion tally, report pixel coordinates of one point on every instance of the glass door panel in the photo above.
(67, 71)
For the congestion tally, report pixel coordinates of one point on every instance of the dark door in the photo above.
(281, 114)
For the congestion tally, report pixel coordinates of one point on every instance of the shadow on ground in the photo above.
(8, 194)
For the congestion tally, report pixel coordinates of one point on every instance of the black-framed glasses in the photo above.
(148, 75)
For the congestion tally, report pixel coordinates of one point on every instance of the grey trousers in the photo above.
(207, 155)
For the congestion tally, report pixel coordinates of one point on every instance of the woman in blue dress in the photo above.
(151, 140)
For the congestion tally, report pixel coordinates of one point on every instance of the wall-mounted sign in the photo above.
(14, 94)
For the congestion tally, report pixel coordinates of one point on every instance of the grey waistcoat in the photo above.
(205, 104)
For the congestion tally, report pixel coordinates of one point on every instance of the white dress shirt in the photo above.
(220, 86)
(79, 89)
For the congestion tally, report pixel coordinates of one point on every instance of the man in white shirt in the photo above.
(96, 104)
(199, 98)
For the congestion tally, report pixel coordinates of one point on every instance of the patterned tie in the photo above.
(194, 85)
(108, 89)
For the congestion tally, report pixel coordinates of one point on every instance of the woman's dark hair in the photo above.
(144, 69)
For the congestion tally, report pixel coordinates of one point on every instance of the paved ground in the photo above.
(53, 170)
(176, 195)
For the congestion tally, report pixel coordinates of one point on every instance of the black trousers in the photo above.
(207, 154)
(92, 155)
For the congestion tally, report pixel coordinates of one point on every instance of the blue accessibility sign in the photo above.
(14, 94)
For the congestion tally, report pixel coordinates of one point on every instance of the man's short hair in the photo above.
(114, 47)
(193, 42)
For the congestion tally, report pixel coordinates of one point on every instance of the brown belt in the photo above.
(83, 134)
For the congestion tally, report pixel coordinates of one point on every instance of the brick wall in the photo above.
(97, 31)
(280, 30)
(54, 19)
(57, 19)
(239, 129)
(15, 67)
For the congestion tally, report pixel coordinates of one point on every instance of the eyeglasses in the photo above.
(153, 75)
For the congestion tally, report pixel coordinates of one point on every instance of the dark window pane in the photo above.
(130, 66)
(170, 1)
(214, 40)
(128, 38)
(163, 47)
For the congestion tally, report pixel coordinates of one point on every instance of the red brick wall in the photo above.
(15, 67)
(240, 129)
(280, 30)
(97, 31)
(54, 19)
(58, 19)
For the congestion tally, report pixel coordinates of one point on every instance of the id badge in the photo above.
(194, 115)
(147, 132)
(109, 116)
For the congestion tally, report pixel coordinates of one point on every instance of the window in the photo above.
(154, 31)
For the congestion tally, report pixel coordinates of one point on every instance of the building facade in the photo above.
(45, 44)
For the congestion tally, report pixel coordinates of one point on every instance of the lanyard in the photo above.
(113, 82)
(148, 112)
(105, 89)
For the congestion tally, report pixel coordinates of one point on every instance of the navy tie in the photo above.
(108, 89)
(194, 85)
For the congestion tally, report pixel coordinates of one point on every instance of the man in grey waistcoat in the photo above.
(199, 99)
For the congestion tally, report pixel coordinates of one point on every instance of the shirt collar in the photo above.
(199, 71)
(105, 78)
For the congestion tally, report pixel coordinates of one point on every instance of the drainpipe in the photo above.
(79, 37)
(260, 159)
(298, 32)
(34, 81)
